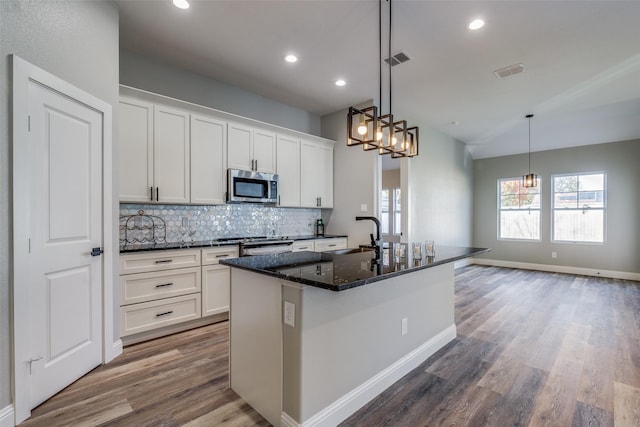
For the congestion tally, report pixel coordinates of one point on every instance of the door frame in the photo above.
(23, 72)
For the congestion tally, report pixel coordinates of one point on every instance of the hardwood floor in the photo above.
(533, 348)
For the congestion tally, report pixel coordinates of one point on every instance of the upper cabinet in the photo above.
(154, 153)
(251, 148)
(171, 155)
(177, 153)
(316, 174)
(208, 160)
(135, 137)
(288, 162)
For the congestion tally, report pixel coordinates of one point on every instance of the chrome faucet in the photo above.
(377, 242)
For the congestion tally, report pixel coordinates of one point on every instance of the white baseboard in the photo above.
(117, 349)
(462, 263)
(342, 408)
(559, 269)
(7, 416)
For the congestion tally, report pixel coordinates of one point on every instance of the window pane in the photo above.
(593, 182)
(591, 199)
(397, 225)
(509, 201)
(565, 200)
(510, 186)
(564, 184)
(530, 200)
(396, 200)
(579, 226)
(385, 222)
(384, 200)
(521, 224)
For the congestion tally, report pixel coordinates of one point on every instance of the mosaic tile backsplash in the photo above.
(197, 223)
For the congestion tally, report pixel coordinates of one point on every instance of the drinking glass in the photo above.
(429, 247)
(416, 250)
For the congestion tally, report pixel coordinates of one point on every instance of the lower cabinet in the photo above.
(164, 288)
(330, 244)
(216, 280)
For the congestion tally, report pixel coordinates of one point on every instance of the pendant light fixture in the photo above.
(530, 180)
(372, 131)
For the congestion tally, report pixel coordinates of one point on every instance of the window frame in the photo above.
(603, 209)
(500, 210)
(391, 210)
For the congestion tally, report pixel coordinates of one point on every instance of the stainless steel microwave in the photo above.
(251, 187)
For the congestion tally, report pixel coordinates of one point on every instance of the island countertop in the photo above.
(339, 272)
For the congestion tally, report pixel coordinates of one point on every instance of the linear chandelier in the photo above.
(374, 131)
(530, 180)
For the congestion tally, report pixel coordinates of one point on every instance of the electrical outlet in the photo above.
(185, 221)
(405, 326)
(554, 255)
(290, 314)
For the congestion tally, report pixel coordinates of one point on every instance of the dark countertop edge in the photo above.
(356, 283)
(214, 244)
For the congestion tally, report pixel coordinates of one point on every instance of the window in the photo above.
(384, 202)
(518, 210)
(397, 212)
(579, 207)
(391, 219)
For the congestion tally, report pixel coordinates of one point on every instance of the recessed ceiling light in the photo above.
(291, 58)
(340, 82)
(181, 4)
(476, 24)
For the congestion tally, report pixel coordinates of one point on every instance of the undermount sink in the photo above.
(351, 251)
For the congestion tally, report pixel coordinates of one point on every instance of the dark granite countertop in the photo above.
(141, 247)
(338, 272)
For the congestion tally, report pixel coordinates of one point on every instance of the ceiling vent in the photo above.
(398, 59)
(509, 71)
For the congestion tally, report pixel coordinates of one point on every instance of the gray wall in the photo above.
(158, 77)
(620, 252)
(78, 42)
(440, 181)
(354, 182)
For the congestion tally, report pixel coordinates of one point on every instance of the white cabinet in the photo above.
(251, 148)
(288, 169)
(159, 289)
(303, 245)
(171, 155)
(316, 174)
(330, 244)
(154, 153)
(135, 136)
(208, 160)
(320, 245)
(216, 279)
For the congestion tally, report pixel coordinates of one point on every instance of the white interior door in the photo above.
(65, 220)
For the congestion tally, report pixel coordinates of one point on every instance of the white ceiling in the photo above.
(582, 59)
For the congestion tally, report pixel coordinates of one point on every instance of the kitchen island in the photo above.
(315, 336)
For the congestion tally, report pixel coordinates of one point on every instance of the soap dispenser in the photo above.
(319, 228)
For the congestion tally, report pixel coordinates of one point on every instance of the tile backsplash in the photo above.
(197, 223)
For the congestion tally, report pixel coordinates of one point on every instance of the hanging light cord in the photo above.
(529, 145)
(390, 107)
(380, 52)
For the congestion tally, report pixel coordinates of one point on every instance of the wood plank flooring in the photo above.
(533, 349)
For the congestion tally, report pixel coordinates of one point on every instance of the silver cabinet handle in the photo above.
(151, 193)
(164, 285)
(164, 261)
(165, 313)
(256, 164)
(222, 256)
(331, 246)
(157, 194)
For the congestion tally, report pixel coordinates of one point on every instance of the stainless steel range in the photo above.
(261, 245)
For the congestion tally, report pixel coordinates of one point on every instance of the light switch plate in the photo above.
(290, 314)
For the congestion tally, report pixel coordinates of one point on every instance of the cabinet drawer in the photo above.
(142, 287)
(211, 256)
(159, 260)
(156, 314)
(331, 244)
(303, 245)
